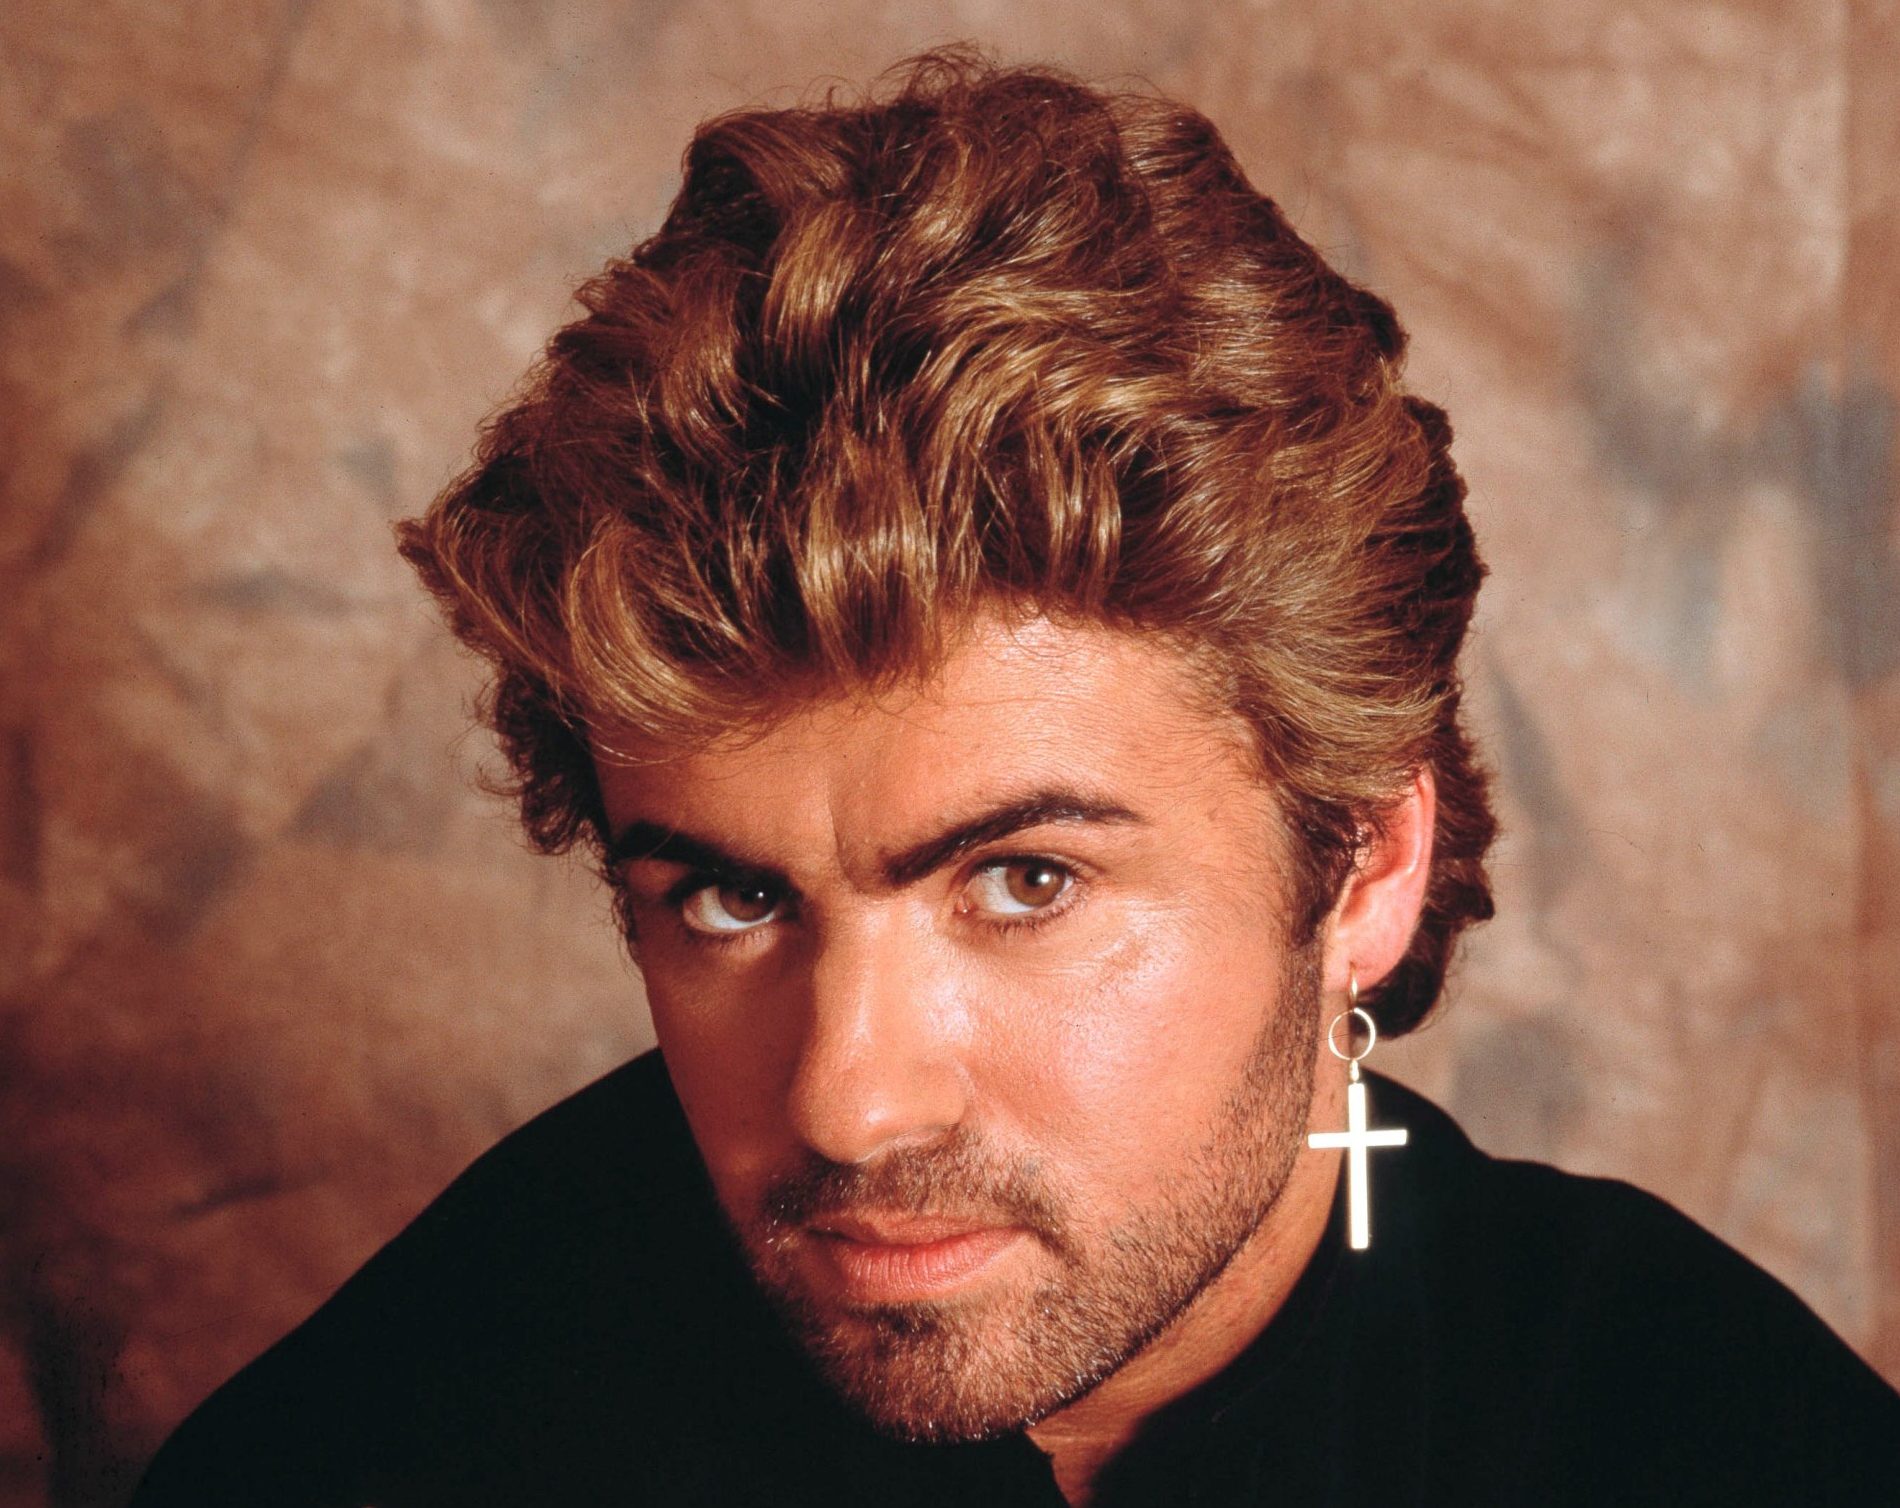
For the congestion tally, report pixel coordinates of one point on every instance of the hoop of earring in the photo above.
(1352, 1060)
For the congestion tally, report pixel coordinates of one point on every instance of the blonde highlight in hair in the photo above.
(983, 337)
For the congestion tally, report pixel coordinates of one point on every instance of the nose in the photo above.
(880, 1065)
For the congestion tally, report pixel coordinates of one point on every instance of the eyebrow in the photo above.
(1055, 804)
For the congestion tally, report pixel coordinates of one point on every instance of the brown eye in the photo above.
(1034, 883)
(735, 906)
(747, 903)
(1013, 887)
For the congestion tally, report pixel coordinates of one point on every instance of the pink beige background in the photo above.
(270, 973)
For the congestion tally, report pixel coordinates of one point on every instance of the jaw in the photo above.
(1068, 1348)
(1210, 1331)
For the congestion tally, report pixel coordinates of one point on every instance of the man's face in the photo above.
(980, 1006)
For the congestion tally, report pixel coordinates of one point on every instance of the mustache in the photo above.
(952, 1177)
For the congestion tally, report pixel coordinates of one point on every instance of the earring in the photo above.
(1357, 1136)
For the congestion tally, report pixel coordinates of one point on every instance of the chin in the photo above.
(946, 1375)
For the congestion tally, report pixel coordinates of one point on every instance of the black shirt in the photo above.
(569, 1324)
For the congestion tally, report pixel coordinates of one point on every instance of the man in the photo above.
(976, 584)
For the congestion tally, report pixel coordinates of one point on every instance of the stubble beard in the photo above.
(949, 1371)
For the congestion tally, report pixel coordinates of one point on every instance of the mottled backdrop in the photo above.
(270, 972)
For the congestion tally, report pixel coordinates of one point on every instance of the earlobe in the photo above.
(1379, 906)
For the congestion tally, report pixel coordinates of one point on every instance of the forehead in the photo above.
(1007, 694)
(1032, 716)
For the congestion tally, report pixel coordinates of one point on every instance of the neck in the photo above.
(1222, 1321)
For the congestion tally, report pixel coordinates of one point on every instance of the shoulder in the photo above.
(579, 1241)
(1643, 1354)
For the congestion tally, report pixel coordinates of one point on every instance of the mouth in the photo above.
(895, 1259)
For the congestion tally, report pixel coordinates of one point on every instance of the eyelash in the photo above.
(1028, 921)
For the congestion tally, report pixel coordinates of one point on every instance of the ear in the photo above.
(1372, 923)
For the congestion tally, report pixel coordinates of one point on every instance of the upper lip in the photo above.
(901, 1230)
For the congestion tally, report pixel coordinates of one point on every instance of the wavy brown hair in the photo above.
(982, 336)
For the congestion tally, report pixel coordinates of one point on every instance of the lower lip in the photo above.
(875, 1273)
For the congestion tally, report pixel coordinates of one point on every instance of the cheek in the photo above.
(728, 1066)
(1118, 1069)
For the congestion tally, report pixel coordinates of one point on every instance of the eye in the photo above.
(1018, 887)
(729, 906)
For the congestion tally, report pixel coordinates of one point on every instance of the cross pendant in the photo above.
(1356, 1138)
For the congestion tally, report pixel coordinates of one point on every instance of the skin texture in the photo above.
(1015, 1134)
